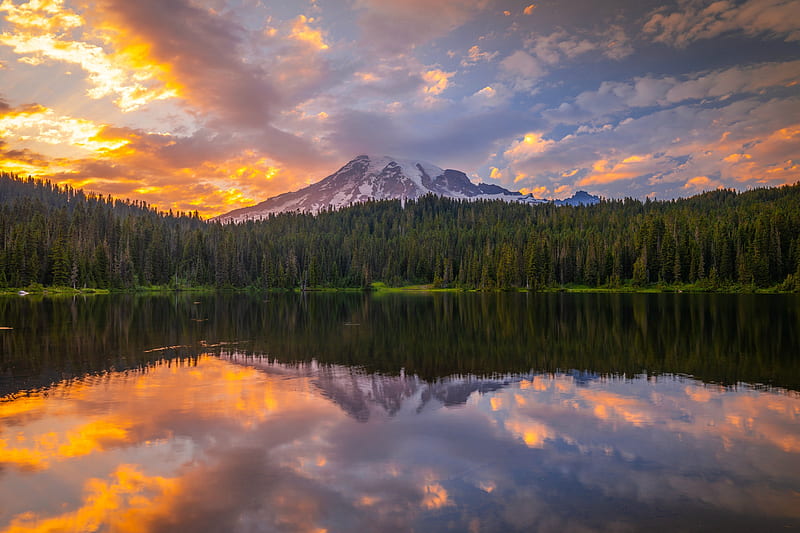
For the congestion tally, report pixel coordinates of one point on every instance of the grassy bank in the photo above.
(380, 287)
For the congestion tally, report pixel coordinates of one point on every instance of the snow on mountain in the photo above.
(383, 178)
(364, 395)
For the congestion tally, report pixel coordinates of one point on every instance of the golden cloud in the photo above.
(538, 192)
(123, 503)
(302, 31)
(37, 452)
(437, 81)
(533, 433)
(41, 15)
(702, 183)
(127, 76)
(605, 171)
(530, 145)
(167, 171)
(43, 125)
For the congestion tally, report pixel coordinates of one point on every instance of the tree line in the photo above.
(59, 236)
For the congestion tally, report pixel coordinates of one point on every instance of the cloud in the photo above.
(205, 171)
(530, 145)
(635, 166)
(302, 31)
(617, 45)
(559, 45)
(488, 97)
(697, 20)
(612, 97)
(747, 141)
(701, 183)
(251, 87)
(436, 81)
(522, 69)
(424, 135)
(35, 123)
(476, 55)
(395, 27)
(39, 36)
(202, 53)
(543, 53)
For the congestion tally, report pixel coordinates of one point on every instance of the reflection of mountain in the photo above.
(725, 339)
(361, 394)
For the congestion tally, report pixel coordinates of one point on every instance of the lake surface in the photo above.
(400, 412)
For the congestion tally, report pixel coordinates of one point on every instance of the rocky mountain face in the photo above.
(383, 178)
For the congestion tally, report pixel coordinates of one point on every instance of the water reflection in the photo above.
(248, 443)
(726, 339)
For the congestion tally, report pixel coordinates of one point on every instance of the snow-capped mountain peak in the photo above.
(369, 177)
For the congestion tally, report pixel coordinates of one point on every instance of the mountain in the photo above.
(383, 178)
(579, 198)
(363, 395)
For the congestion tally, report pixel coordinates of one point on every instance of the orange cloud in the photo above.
(301, 31)
(17, 407)
(193, 52)
(702, 183)
(533, 433)
(538, 192)
(167, 171)
(43, 125)
(530, 145)
(529, 9)
(476, 55)
(605, 171)
(434, 496)
(129, 499)
(39, 451)
(437, 81)
(367, 77)
(608, 405)
(38, 37)
(42, 15)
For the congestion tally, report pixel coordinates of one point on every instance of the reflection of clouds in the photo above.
(124, 503)
(533, 433)
(146, 406)
(214, 445)
(675, 430)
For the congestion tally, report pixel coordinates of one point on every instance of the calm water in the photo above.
(325, 412)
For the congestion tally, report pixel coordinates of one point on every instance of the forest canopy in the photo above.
(59, 236)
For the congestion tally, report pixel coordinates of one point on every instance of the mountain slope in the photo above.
(383, 178)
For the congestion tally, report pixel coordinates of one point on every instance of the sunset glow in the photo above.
(121, 472)
(191, 106)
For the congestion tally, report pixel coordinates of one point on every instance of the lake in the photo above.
(400, 412)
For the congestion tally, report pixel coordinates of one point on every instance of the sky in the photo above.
(219, 104)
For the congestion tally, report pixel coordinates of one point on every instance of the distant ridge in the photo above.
(369, 177)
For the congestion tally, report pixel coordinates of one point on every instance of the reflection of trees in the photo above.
(723, 338)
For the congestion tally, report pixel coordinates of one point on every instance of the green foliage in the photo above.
(720, 240)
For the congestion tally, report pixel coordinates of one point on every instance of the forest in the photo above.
(57, 236)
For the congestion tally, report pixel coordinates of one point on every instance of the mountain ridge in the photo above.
(370, 177)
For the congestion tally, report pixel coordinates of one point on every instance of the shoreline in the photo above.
(378, 288)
